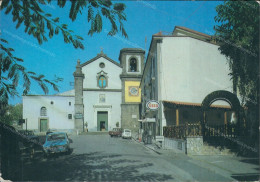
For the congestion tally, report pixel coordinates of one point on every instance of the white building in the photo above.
(48, 111)
(103, 88)
(180, 71)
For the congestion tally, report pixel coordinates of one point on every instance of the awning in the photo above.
(189, 104)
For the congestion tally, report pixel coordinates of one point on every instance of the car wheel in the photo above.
(68, 151)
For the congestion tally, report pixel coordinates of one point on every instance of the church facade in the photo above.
(106, 94)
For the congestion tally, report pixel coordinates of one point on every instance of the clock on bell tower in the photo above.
(132, 61)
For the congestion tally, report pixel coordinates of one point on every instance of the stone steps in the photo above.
(210, 150)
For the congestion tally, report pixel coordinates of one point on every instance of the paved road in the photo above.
(101, 158)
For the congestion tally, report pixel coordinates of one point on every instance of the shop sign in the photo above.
(153, 105)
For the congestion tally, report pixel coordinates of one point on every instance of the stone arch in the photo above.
(223, 95)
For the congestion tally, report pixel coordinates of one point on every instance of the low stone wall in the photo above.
(175, 144)
(194, 145)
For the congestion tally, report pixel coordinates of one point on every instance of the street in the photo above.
(101, 158)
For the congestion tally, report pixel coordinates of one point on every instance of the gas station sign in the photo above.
(153, 105)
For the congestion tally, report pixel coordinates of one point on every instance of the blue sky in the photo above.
(144, 18)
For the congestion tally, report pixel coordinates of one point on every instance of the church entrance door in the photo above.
(102, 121)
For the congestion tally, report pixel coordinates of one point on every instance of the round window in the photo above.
(102, 65)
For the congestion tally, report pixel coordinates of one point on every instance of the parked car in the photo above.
(115, 132)
(51, 131)
(56, 142)
(29, 134)
(126, 133)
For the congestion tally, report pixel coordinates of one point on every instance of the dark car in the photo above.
(115, 132)
(29, 134)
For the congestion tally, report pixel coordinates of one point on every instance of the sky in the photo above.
(144, 18)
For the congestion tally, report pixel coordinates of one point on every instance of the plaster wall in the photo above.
(57, 113)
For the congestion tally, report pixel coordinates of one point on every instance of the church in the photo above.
(106, 94)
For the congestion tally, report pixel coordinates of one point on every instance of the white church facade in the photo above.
(103, 89)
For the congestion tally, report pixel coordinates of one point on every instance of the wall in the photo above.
(191, 69)
(92, 105)
(194, 145)
(130, 97)
(177, 145)
(57, 113)
(113, 71)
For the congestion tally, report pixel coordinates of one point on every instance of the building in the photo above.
(181, 69)
(49, 111)
(105, 93)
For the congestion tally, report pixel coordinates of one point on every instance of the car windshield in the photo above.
(127, 131)
(60, 136)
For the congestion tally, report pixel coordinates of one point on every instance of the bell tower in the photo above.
(78, 107)
(132, 61)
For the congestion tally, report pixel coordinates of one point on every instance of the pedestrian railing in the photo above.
(182, 131)
(226, 130)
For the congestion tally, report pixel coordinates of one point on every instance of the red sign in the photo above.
(153, 105)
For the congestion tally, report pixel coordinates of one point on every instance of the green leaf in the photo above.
(56, 19)
(3, 40)
(57, 30)
(8, 9)
(48, 15)
(64, 26)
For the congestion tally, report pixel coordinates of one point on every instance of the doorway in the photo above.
(43, 125)
(102, 121)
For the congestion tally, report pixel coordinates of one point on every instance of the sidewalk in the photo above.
(232, 167)
(238, 168)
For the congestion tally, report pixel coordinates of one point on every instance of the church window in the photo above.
(43, 111)
(102, 82)
(69, 116)
(69, 103)
(133, 65)
(102, 65)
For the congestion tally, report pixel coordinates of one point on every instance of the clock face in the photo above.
(133, 91)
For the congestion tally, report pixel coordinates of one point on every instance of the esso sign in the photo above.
(153, 105)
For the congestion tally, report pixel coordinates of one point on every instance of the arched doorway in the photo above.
(221, 95)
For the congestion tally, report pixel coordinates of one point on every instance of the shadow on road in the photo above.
(246, 177)
(90, 167)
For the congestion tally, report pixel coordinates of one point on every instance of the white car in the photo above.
(126, 133)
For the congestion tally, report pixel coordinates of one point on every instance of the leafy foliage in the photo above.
(238, 35)
(11, 113)
(42, 25)
(11, 72)
(36, 21)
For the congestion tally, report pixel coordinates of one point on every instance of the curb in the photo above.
(150, 148)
